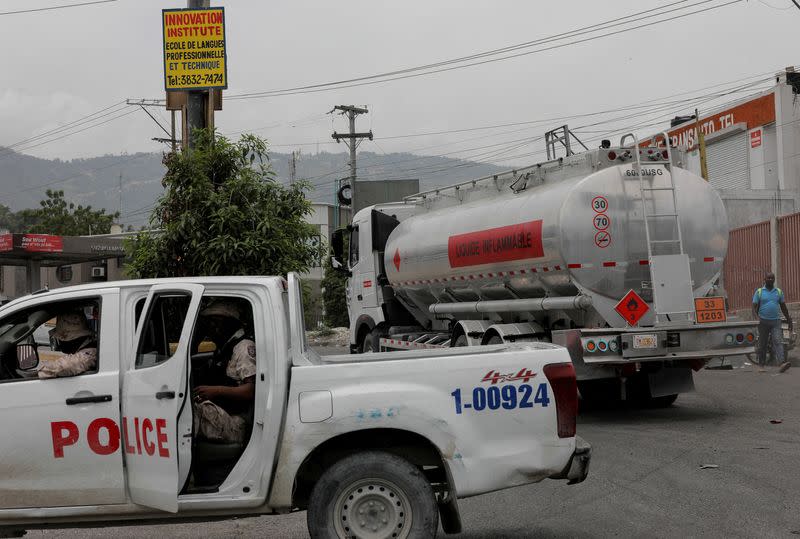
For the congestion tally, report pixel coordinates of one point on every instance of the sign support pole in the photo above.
(196, 100)
(33, 276)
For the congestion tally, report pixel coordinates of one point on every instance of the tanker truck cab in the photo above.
(124, 440)
(370, 301)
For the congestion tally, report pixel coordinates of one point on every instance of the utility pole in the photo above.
(196, 100)
(293, 167)
(352, 140)
(701, 146)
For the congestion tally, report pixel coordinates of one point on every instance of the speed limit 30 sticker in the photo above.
(599, 204)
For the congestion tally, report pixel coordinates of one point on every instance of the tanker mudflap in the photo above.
(670, 381)
(577, 469)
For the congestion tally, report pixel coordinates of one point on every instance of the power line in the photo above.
(67, 126)
(483, 157)
(64, 6)
(74, 132)
(434, 68)
(642, 104)
(455, 60)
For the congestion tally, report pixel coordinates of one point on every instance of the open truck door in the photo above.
(156, 404)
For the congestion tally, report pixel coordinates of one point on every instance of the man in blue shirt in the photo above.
(768, 303)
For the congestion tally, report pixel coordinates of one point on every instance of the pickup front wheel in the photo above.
(372, 495)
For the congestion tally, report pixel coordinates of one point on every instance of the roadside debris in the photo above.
(776, 421)
(709, 466)
(329, 337)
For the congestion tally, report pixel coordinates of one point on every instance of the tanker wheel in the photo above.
(495, 339)
(599, 394)
(369, 343)
(662, 402)
(461, 341)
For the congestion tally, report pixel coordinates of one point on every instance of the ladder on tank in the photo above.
(670, 274)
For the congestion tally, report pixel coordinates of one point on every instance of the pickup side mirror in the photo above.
(27, 357)
(337, 246)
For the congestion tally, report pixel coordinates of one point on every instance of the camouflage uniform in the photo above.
(70, 364)
(72, 326)
(211, 421)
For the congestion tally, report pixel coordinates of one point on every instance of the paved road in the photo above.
(646, 478)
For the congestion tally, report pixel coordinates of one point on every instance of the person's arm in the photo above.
(244, 392)
(755, 311)
(785, 311)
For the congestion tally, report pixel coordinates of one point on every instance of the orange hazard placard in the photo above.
(710, 310)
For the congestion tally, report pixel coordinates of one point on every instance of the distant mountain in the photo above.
(135, 179)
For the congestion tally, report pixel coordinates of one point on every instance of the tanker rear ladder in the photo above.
(667, 298)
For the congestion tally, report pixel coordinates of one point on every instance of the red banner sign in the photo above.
(42, 243)
(6, 242)
(513, 242)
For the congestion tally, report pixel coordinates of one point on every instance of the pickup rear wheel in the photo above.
(372, 495)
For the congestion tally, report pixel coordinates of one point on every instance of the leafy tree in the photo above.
(57, 216)
(223, 214)
(9, 220)
(333, 295)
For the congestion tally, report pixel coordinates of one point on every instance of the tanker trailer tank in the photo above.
(580, 236)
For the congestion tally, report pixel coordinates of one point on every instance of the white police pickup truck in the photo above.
(375, 445)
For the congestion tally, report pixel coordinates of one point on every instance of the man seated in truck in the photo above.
(77, 341)
(221, 410)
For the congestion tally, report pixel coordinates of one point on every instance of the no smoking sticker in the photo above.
(602, 239)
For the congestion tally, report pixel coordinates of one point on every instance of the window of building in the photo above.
(64, 274)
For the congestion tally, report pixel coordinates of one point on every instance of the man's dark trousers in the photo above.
(770, 330)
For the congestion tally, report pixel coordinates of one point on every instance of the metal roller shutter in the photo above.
(729, 163)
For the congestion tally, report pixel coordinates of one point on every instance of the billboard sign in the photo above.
(751, 114)
(195, 57)
(42, 243)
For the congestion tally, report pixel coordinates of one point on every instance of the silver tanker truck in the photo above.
(614, 253)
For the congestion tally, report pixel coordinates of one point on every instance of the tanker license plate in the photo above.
(644, 342)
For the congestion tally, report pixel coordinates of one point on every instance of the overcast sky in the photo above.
(61, 65)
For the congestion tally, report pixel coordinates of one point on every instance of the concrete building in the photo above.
(752, 151)
(327, 218)
(29, 262)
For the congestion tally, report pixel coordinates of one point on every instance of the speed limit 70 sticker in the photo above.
(601, 221)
